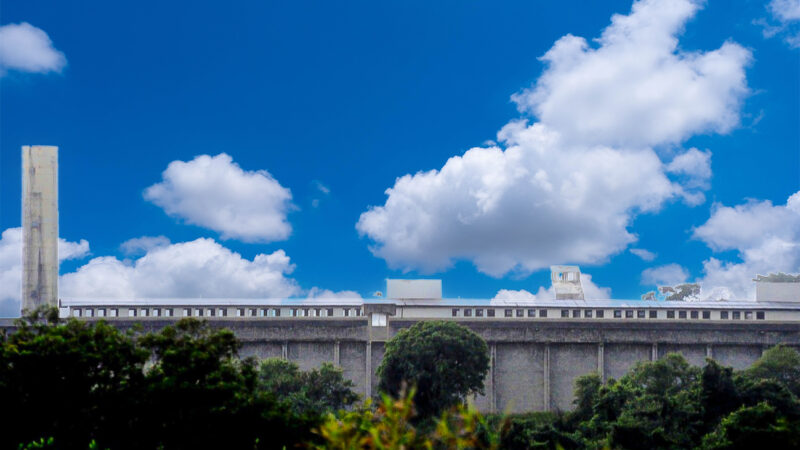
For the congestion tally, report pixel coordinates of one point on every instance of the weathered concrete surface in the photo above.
(534, 363)
(620, 358)
(568, 362)
(39, 226)
(519, 377)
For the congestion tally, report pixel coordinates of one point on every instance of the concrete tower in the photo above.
(39, 226)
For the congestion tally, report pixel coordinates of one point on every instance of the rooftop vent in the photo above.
(567, 282)
(413, 289)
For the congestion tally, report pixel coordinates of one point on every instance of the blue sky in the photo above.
(694, 107)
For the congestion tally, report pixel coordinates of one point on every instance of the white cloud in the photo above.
(645, 254)
(26, 48)
(693, 169)
(11, 266)
(637, 87)
(199, 268)
(143, 244)
(591, 291)
(785, 21)
(766, 238)
(316, 292)
(321, 187)
(666, 275)
(785, 10)
(215, 193)
(563, 189)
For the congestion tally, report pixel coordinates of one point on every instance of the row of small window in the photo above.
(467, 312)
(213, 312)
(618, 313)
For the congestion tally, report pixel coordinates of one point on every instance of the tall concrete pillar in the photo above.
(39, 226)
(601, 362)
(368, 370)
(336, 353)
(546, 377)
(492, 389)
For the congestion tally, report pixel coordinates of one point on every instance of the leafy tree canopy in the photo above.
(316, 391)
(445, 361)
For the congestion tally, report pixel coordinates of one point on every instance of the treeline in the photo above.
(669, 404)
(78, 384)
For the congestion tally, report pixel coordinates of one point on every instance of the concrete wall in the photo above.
(534, 364)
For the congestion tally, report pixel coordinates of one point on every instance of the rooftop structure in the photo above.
(413, 289)
(778, 288)
(566, 282)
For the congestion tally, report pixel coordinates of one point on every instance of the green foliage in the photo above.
(759, 426)
(390, 426)
(445, 361)
(670, 404)
(85, 384)
(781, 364)
(317, 391)
(73, 381)
(182, 387)
(41, 443)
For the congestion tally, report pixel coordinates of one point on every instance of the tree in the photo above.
(444, 361)
(76, 382)
(72, 382)
(200, 395)
(681, 292)
(316, 391)
(779, 363)
(389, 425)
(759, 426)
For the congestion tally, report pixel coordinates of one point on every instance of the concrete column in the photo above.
(547, 377)
(709, 351)
(368, 387)
(492, 365)
(39, 226)
(601, 362)
(336, 348)
(654, 352)
(285, 350)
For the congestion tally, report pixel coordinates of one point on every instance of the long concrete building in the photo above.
(538, 347)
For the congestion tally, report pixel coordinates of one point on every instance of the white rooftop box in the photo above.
(778, 288)
(413, 289)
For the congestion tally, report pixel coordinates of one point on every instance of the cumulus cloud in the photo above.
(199, 268)
(11, 267)
(143, 244)
(567, 187)
(766, 238)
(25, 48)
(636, 87)
(666, 275)
(645, 254)
(591, 291)
(214, 192)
